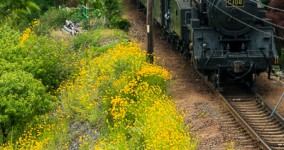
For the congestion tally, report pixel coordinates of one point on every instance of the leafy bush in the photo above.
(29, 66)
(22, 97)
(6, 66)
(46, 59)
(75, 15)
(120, 23)
(52, 19)
(112, 8)
(44, 5)
(8, 38)
(17, 13)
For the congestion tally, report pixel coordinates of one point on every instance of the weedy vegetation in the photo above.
(92, 91)
(107, 98)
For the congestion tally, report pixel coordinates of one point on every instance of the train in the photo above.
(226, 40)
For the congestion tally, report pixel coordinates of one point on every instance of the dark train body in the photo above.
(225, 39)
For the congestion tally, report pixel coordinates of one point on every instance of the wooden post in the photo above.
(150, 49)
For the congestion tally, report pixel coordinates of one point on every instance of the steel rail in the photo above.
(261, 143)
(270, 109)
(253, 134)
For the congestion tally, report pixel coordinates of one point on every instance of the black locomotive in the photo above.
(225, 39)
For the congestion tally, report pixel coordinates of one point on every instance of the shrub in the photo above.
(52, 19)
(120, 23)
(43, 4)
(8, 38)
(17, 13)
(46, 59)
(22, 97)
(6, 66)
(75, 15)
(112, 8)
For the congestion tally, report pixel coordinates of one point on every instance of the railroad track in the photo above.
(249, 117)
(269, 129)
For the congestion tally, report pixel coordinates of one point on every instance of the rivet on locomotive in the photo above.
(224, 39)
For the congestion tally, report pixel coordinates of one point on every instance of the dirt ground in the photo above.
(202, 108)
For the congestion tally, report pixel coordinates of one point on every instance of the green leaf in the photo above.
(33, 6)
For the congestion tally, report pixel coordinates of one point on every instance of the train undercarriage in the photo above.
(219, 46)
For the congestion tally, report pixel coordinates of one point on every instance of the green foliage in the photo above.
(46, 59)
(6, 66)
(120, 23)
(52, 19)
(115, 99)
(8, 38)
(124, 98)
(44, 5)
(75, 15)
(55, 19)
(19, 8)
(22, 97)
(112, 8)
(106, 9)
(9, 43)
(17, 12)
(27, 71)
(99, 38)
